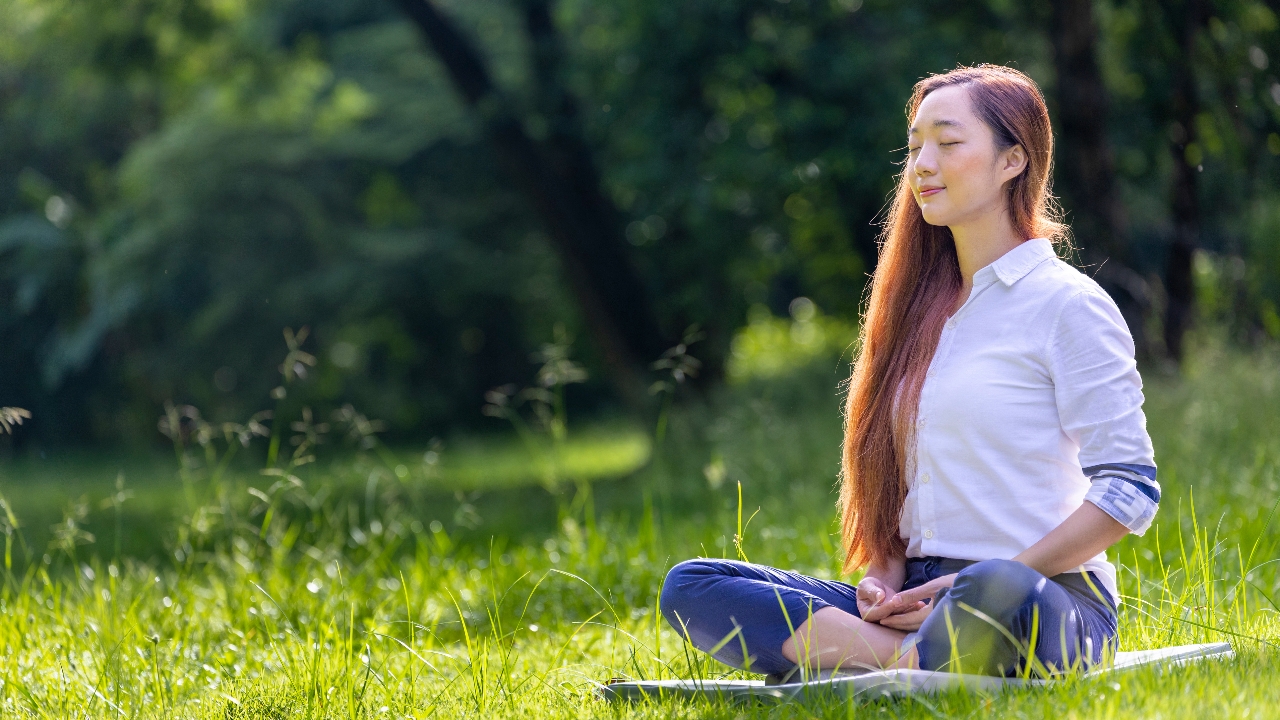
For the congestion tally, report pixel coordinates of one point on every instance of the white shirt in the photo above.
(1031, 406)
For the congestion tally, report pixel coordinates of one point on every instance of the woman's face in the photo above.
(956, 171)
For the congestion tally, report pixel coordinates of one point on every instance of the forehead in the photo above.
(947, 107)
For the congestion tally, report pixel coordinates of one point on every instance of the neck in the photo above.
(983, 241)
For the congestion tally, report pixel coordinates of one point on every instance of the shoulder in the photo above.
(1085, 319)
(1065, 289)
(1057, 279)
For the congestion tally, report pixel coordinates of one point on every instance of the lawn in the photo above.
(502, 578)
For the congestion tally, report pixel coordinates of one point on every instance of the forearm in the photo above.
(1085, 533)
(892, 572)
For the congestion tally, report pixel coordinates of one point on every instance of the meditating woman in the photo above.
(995, 444)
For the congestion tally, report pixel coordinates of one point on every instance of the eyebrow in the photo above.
(938, 123)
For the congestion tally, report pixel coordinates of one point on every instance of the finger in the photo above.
(876, 612)
(917, 593)
(910, 614)
(884, 609)
(907, 621)
(888, 609)
(907, 609)
(897, 622)
(900, 622)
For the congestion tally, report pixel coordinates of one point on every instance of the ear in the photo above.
(1012, 162)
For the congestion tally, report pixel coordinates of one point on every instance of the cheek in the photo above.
(909, 171)
(968, 173)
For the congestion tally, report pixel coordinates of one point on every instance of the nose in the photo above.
(924, 163)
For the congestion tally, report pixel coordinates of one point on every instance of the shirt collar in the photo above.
(1015, 264)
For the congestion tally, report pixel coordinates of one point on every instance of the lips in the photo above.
(926, 192)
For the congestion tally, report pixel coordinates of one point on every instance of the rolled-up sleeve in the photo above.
(1099, 396)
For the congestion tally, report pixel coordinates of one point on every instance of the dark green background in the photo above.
(181, 180)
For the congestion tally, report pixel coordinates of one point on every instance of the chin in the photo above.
(934, 217)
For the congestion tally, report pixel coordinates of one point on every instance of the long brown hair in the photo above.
(916, 284)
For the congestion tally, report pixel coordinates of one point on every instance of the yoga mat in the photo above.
(886, 683)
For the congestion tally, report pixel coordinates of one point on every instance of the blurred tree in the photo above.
(1194, 104)
(1188, 18)
(559, 178)
(1086, 163)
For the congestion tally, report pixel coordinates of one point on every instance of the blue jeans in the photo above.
(1069, 622)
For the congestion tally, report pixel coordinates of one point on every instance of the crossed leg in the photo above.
(765, 620)
(833, 639)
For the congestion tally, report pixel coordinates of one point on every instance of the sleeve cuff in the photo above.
(1129, 497)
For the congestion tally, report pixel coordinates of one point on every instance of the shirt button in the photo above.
(928, 534)
(924, 478)
(921, 423)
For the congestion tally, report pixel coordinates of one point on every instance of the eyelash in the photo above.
(911, 149)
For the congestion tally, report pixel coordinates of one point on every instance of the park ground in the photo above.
(498, 577)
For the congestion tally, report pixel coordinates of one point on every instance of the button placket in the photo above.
(925, 504)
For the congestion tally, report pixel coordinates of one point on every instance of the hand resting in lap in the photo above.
(904, 610)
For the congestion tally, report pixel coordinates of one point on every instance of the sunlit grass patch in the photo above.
(486, 464)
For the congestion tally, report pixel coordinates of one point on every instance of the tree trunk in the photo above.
(1086, 164)
(1179, 284)
(559, 180)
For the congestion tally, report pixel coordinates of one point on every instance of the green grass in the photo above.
(366, 592)
(46, 489)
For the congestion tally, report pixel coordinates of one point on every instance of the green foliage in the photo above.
(768, 346)
(181, 180)
(1230, 144)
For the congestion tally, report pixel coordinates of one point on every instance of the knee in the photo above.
(998, 575)
(683, 586)
(996, 586)
(689, 571)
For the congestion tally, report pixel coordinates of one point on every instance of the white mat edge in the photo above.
(888, 682)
